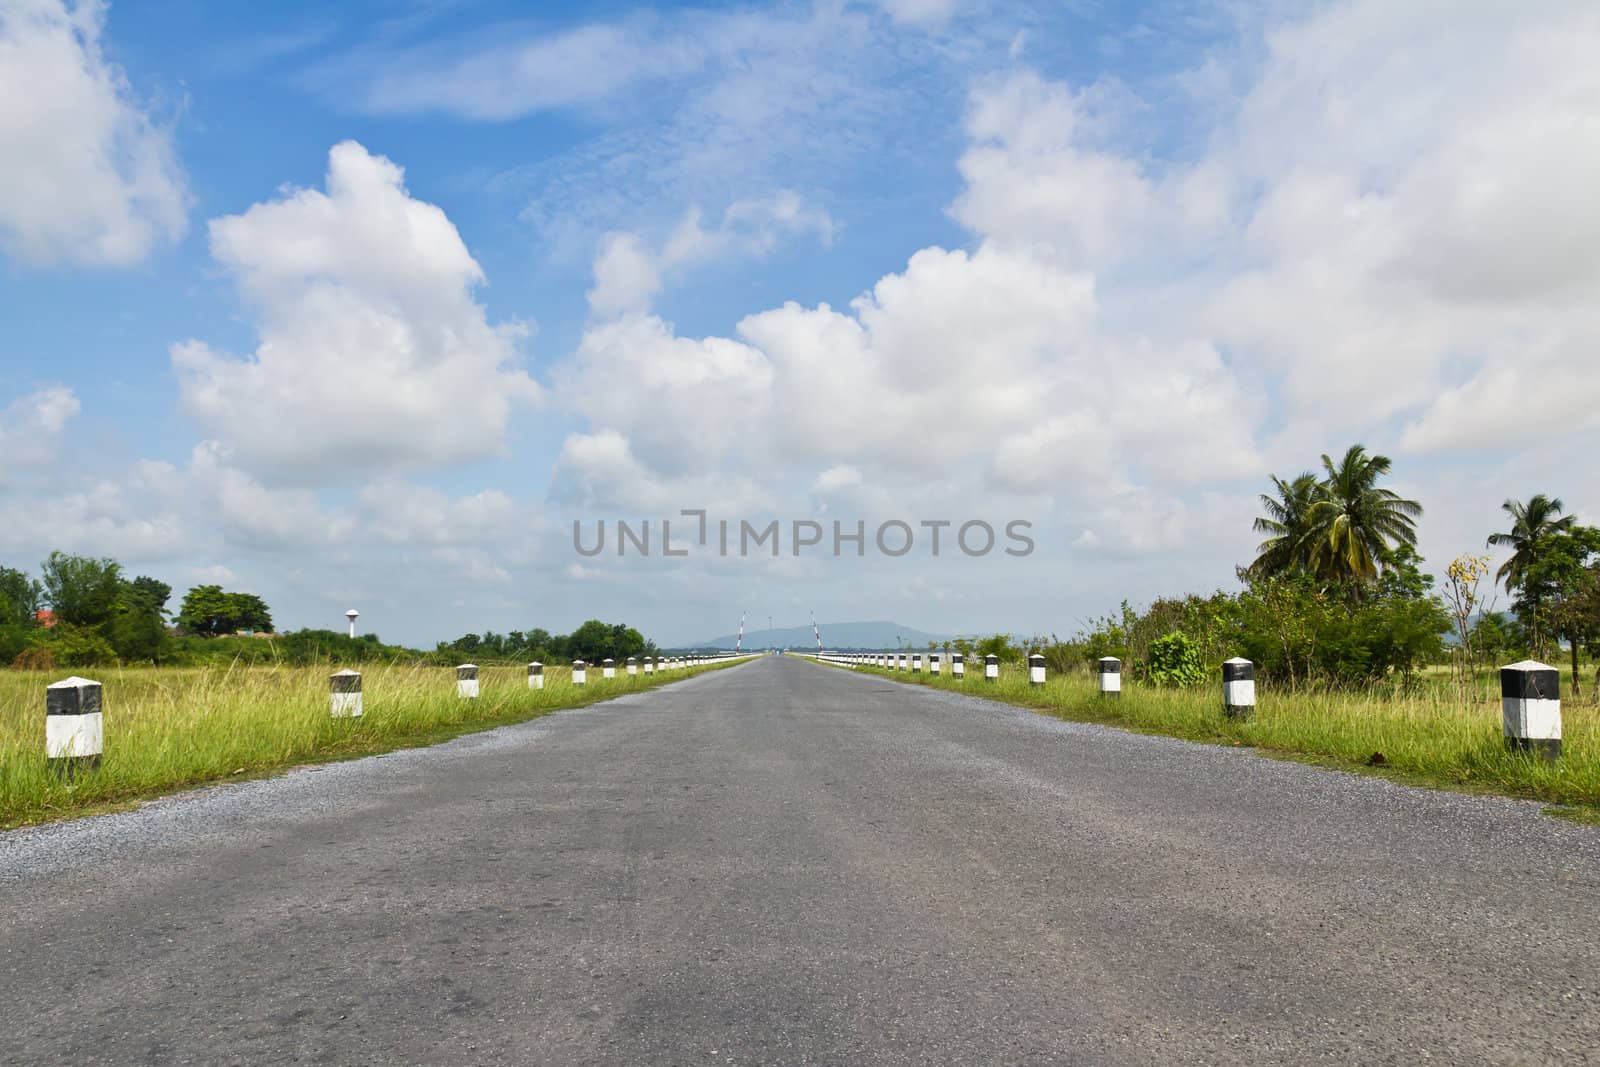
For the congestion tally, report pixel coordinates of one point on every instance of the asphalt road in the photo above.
(788, 863)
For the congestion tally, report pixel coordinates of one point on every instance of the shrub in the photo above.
(1174, 661)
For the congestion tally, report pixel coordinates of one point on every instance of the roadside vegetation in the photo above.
(173, 728)
(1362, 658)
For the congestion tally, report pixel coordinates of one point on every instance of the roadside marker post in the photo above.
(958, 665)
(1530, 705)
(74, 726)
(1110, 676)
(580, 672)
(933, 663)
(1036, 669)
(633, 665)
(536, 675)
(467, 681)
(991, 668)
(1238, 688)
(344, 694)
(608, 668)
(916, 663)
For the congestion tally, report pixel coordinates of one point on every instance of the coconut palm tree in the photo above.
(1532, 526)
(1352, 524)
(1285, 520)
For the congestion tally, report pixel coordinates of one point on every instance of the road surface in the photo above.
(789, 863)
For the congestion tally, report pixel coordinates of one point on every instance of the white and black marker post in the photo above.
(649, 665)
(608, 668)
(344, 694)
(1036, 669)
(467, 681)
(1530, 703)
(536, 675)
(633, 665)
(958, 665)
(933, 663)
(74, 733)
(580, 672)
(916, 663)
(991, 668)
(1238, 688)
(1110, 676)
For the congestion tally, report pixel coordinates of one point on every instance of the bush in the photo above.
(1174, 661)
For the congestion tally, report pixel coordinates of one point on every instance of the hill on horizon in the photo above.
(834, 635)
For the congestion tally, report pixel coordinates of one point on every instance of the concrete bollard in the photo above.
(633, 665)
(344, 694)
(536, 675)
(1110, 676)
(1530, 705)
(933, 663)
(661, 664)
(649, 665)
(1238, 688)
(467, 681)
(608, 668)
(958, 665)
(580, 672)
(74, 731)
(1036, 669)
(991, 668)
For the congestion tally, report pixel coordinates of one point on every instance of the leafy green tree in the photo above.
(78, 646)
(1555, 590)
(208, 611)
(1533, 525)
(137, 629)
(20, 597)
(82, 591)
(1352, 524)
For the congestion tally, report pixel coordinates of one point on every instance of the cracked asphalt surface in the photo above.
(787, 863)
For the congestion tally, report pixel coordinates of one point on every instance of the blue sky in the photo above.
(368, 305)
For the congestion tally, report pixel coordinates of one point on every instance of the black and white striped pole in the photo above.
(344, 694)
(467, 681)
(916, 663)
(608, 668)
(1110, 676)
(1238, 688)
(991, 668)
(536, 675)
(1036, 669)
(74, 730)
(633, 665)
(649, 665)
(580, 672)
(933, 663)
(1530, 704)
(958, 665)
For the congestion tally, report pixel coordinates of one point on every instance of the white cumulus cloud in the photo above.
(89, 177)
(374, 354)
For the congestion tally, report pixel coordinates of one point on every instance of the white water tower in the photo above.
(352, 615)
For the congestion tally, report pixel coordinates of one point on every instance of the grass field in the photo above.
(169, 728)
(1437, 737)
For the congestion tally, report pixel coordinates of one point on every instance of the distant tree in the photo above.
(208, 611)
(82, 591)
(1286, 550)
(1353, 524)
(1533, 525)
(20, 597)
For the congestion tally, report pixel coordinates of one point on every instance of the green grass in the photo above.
(1434, 737)
(172, 728)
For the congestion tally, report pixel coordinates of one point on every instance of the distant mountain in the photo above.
(834, 635)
